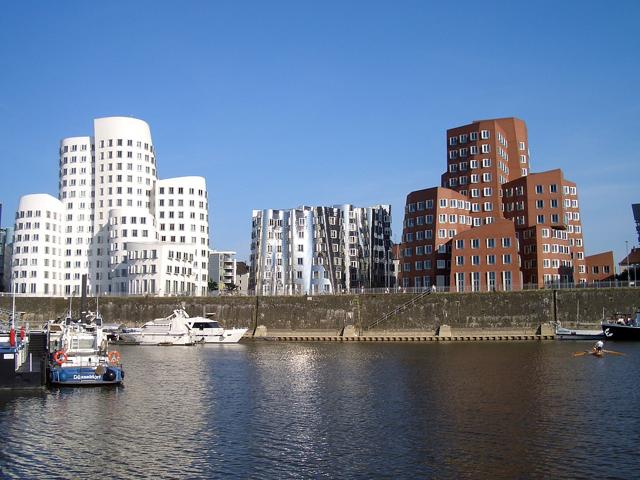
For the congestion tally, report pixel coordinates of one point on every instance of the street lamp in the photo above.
(626, 243)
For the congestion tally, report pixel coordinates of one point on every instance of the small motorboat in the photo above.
(575, 334)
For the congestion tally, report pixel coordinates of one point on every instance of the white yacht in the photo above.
(171, 330)
(180, 329)
(204, 330)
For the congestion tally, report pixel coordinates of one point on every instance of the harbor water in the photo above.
(337, 410)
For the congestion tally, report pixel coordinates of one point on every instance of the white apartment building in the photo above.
(38, 246)
(114, 220)
(222, 268)
(320, 249)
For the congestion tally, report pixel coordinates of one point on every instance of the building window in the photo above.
(475, 281)
(491, 280)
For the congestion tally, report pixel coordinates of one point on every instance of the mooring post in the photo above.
(255, 316)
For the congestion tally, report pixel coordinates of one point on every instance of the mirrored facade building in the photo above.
(311, 250)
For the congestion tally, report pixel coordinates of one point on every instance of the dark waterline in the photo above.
(309, 410)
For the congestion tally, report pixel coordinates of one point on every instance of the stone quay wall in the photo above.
(522, 311)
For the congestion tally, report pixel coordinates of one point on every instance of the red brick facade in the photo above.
(600, 267)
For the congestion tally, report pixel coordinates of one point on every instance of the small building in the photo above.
(222, 268)
(600, 267)
(631, 264)
(242, 278)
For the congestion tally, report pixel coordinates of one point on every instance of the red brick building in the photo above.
(433, 217)
(600, 267)
(492, 224)
(544, 208)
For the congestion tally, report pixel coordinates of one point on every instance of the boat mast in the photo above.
(12, 328)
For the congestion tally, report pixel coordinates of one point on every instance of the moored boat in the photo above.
(181, 329)
(22, 359)
(171, 330)
(576, 334)
(204, 330)
(80, 353)
(622, 327)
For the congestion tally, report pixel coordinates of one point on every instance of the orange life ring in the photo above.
(60, 357)
(114, 357)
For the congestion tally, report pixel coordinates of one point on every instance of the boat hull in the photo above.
(614, 331)
(569, 334)
(227, 336)
(75, 376)
(160, 339)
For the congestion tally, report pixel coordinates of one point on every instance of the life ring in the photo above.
(60, 357)
(114, 357)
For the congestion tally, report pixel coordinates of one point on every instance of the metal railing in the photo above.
(377, 291)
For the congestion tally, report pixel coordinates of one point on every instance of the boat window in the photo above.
(86, 343)
(203, 325)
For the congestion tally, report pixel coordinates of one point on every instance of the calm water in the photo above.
(276, 410)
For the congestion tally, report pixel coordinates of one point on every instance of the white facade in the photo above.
(109, 200)
(182, 210)
(222, 268)
(38, 246)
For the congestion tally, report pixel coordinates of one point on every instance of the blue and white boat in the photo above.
(80, 353)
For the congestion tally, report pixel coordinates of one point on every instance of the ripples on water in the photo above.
(276, 410)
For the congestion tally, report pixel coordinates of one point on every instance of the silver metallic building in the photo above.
(310, 250)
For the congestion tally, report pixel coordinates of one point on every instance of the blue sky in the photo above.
(280, 104)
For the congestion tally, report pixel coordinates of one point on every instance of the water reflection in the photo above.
(275, 410)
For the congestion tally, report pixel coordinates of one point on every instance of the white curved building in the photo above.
(182, 208)
(110, 198)
(76, 194)
(37, 260)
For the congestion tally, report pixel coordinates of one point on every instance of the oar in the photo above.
(579, 354)
(614, 353)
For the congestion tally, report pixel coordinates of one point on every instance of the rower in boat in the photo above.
(598, 348)
(597, 351)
